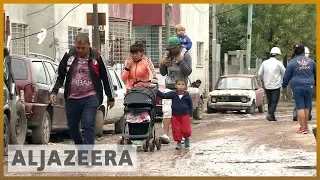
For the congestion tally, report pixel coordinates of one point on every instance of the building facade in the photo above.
(124, 24)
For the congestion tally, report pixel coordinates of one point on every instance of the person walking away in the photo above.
(295, 114)
(196, 84)
(83, 73)
(181, 112)
(186, 42)
(271, 72)
(301, 73)
(173, 69)
(138, 67)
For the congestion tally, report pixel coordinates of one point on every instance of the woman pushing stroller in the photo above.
(138, 67)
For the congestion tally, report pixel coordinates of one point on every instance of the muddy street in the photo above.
(228, 144)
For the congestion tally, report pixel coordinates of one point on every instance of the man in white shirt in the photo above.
(271, 72)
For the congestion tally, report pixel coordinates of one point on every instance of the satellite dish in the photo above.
(8, 42)
(42, 35)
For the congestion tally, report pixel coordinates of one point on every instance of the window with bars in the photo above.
(72, 33)
(119, 40)
(20, 46)
(164, 38)
(149, 36)
(155, 40)
(200, 53)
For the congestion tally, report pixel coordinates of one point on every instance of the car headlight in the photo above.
(214, 99)
(244, 99)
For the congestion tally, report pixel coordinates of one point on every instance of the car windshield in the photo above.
(234, 83)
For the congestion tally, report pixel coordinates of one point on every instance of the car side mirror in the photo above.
(115, 87)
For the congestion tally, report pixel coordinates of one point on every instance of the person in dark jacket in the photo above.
(181, 112)
(196, 84)
(83, 74)
(295, 114)
(301, 73)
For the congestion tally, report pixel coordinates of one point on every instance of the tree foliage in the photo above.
(273, 25)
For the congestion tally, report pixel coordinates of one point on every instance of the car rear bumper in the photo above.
(34, 113)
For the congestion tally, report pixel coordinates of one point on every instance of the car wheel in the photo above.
(17, 124)
(252, 108)
(119, 126)
(41, 134)
(261, 108)
(198, 113)
(99, 123)
(5, 135)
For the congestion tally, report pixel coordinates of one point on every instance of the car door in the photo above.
(258, 90)
(121, 90)
(43, 82)
(116, 111)
(59, 116)
(194, 94)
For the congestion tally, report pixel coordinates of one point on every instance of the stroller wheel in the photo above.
(145, 145)
(158, 143)
(151, 145)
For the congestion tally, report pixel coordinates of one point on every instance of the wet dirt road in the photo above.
(227, 145)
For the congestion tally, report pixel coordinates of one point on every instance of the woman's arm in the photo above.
(287, 75)
(125, 73)
(151, 71)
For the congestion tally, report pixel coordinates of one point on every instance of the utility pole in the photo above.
(96, 27)
(167, 22)
(214, 47)
(249, 28)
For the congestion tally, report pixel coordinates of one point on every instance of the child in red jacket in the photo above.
(181, 112)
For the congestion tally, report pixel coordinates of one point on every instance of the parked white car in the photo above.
(114, 115)
(237, 92)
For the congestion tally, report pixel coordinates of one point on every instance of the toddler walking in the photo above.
(181, 112)
(184, 39)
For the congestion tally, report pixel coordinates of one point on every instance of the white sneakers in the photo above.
(166, 140)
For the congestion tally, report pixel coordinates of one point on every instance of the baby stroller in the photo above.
(140, 112)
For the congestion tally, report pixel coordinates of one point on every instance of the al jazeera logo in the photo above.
(71, 158)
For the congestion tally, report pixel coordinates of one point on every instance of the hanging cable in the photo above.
(40, 10)
(49, 27)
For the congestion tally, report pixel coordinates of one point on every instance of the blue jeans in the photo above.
(303, 96)
(295, 114)
(84, 109)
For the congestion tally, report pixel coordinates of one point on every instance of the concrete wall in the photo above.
(17, 12)
(195, 17)
(76, 18)
(44, 19)
(49, 17)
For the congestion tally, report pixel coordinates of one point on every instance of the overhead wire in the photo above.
(43, 9)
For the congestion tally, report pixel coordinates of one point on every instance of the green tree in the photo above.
(273, 25)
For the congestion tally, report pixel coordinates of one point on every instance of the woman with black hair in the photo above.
(301, 73)
(138, 67)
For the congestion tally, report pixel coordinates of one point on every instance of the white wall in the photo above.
(195, 17)
(17, 12)
(37, 21)
(76, 18)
